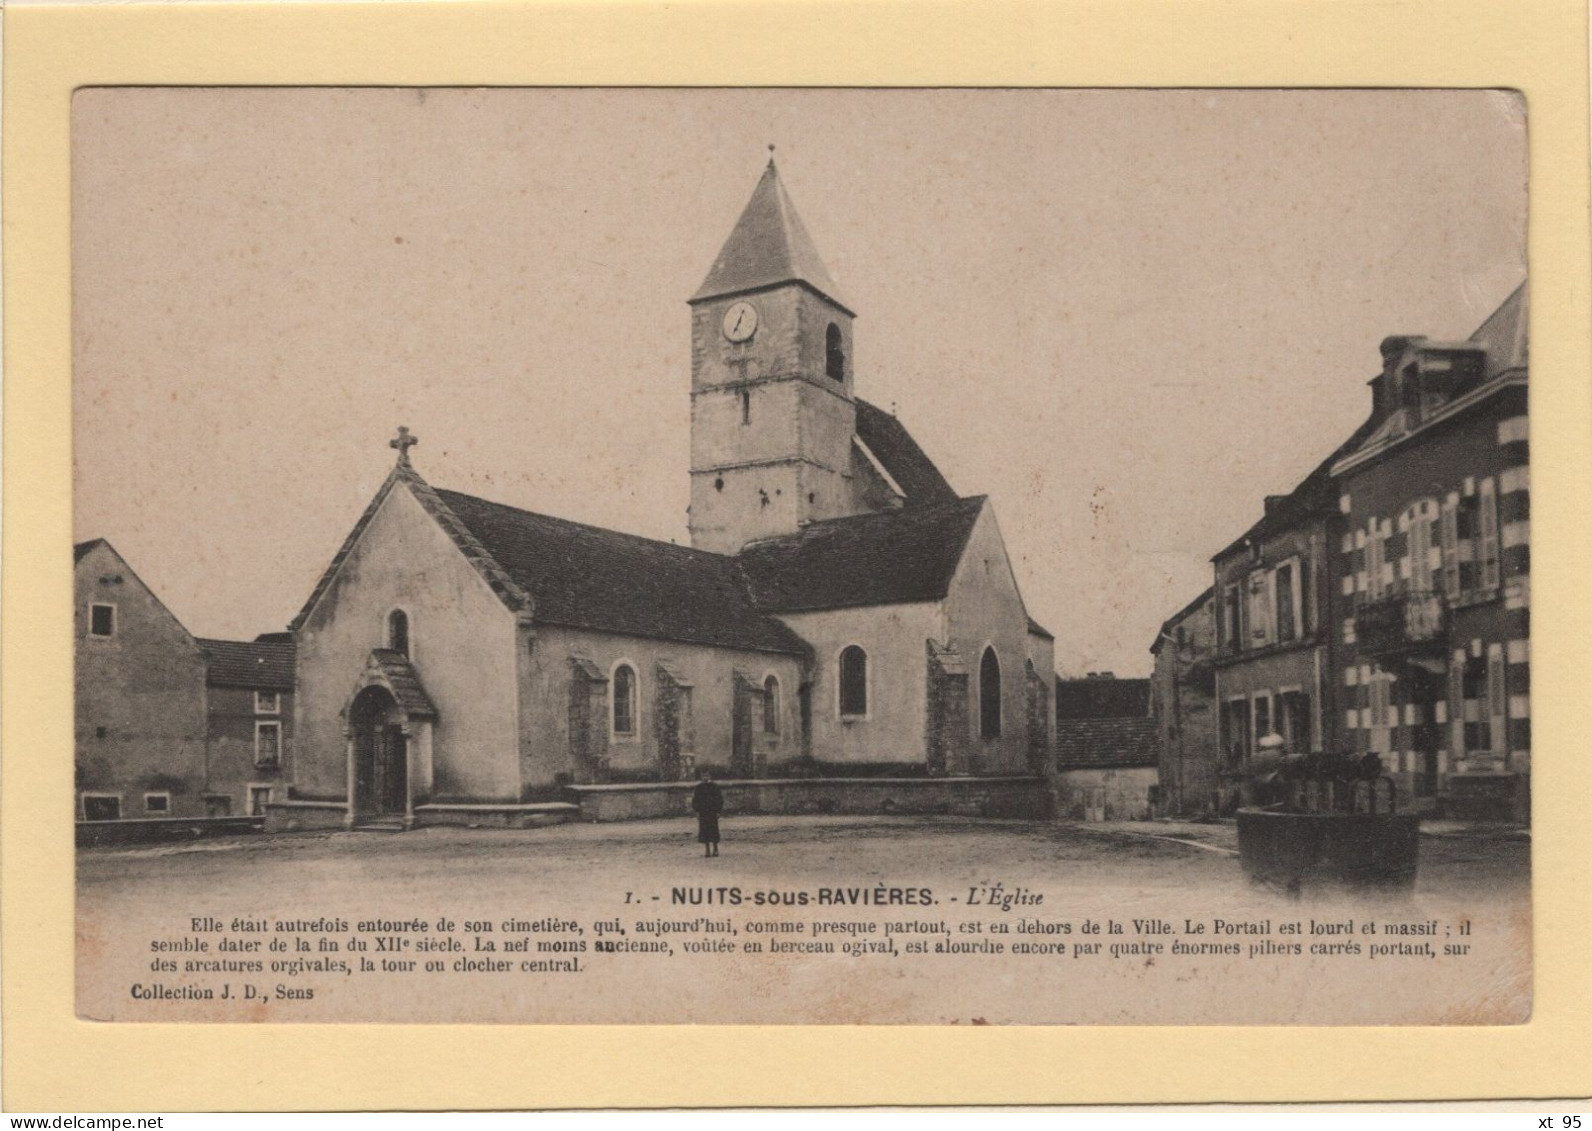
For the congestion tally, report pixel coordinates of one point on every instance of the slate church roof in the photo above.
(899, 454)
(887, 558)
(403, 681)
(768, 246)
(583, 576)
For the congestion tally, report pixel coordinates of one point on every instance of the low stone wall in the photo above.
(497, 816)
(157, 830)
(1105, 793)
(304, 816)
(1021, 798)
(1502, 797)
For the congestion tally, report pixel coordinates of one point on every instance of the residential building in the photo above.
(1432, 570)
(1183, 704)
(1273, 616)
(139, 702)
(249, 692)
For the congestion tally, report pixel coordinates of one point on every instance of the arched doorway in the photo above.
(381, 755)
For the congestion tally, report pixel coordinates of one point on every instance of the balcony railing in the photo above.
(1406, 623)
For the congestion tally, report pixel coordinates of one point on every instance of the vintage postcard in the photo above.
(842, 556)
(644, 555)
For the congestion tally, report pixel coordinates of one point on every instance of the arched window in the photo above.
(989, 695)
(853, 681)
(834, 353)
(771, 706)
(398, 631)
(622, 690)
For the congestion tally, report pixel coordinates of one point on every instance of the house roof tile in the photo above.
(249, 664)
(1102, 698)
(1082, 743)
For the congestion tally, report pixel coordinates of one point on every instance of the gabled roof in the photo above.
(1169, 625)
(888, 558)
(81, 550)
(248, 664)
(1037, 629)
(512, 594)
(403, 681)
(769, 245)
(583, 576)
(901, 457)
(1085, 743)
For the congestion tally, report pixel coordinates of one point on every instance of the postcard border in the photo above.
(54, 1062)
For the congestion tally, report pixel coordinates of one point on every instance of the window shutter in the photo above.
(1456, 705)
(1373, 561)
(1497, 701)
(1420, 552)
(1304, 599)
(1260, 608)
(1450, 540)
(1489, 535)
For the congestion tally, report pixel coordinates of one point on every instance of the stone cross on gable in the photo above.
(402, 443)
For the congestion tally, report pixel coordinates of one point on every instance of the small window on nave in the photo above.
(398, 632)
(623, 691)
(771, 705)
(989, 695)
(853, 682)
(834, 354)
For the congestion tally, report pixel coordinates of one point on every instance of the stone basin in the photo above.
(1300, 851)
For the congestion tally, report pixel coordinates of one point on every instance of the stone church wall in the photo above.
(683, 690)
(983, 609)
(462, 641)
(896, 724)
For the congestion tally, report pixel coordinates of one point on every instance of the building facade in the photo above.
(1107, 749)
(249, 737)
(1384, 605)
(139, 703)
(1433, 570)
(1272, 609)
(1183, 704)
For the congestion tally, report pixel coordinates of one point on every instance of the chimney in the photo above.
(1385, 385)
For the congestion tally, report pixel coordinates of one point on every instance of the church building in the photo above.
(841, 610)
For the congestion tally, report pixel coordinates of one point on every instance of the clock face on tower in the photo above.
(740, 321)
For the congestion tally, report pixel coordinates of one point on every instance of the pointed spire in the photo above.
(769, 245)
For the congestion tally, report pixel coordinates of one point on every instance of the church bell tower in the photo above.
(772, 410)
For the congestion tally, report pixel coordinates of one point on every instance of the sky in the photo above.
(1126, 316)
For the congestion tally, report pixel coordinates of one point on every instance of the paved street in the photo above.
(429, 864)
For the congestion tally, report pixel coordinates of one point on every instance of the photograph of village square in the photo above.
(552, 535)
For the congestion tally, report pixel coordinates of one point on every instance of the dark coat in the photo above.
(707, 800)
